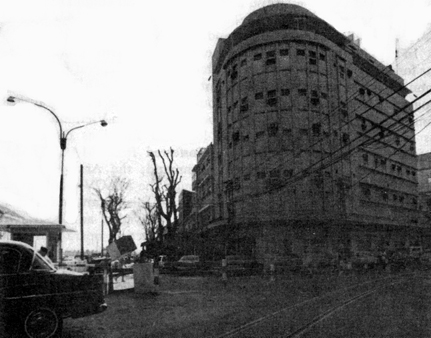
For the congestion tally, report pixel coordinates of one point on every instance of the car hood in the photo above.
(70, 273)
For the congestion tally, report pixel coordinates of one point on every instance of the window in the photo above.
(285, 92)
(314, 98)
(361, 91)
(365, 158)
(349, 73)
(271, 98)
(366, 192)
(244, 105)
(273, 129)
(258, 96)
(260, 134)
(245, 138)
(257, 57)
(235, 137)
(260, 175)
(346, 138)
(288, 173)
(342, 72)
(397, 141)
(384, 195)
(284, 52)
(324, 95)
(322, 56)
(9, 261)
(300, 52)
(316, 129)
(274, 173)
(302, 92)
(312, 58)
(270, 58)
(234, 73)
(369, 92)
(271, 93)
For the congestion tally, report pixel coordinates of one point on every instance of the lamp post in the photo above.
(63, 144)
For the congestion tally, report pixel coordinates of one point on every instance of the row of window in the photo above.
(272, 98)
(383, 195)
(271, 57)
(384, 164)
(273, 129)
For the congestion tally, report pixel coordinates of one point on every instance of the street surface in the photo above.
(256, 307)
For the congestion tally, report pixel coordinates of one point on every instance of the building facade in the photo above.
(314, 147)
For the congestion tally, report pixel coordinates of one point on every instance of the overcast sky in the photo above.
(143, 67)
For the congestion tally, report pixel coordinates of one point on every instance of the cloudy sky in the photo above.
(143, 67)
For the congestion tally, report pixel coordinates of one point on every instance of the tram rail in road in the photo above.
(293, 321)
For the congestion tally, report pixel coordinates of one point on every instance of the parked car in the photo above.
(37, 297)
(364, 260)
(239, 264)
(188, 263)
(287, 263)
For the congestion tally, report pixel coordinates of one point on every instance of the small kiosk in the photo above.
(24, 229)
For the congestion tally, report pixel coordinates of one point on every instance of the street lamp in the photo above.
(63, 144)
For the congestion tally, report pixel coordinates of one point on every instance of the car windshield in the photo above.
(40, 263)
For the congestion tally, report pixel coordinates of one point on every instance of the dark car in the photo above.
(35, 297)
(241, 265)
(188, 264)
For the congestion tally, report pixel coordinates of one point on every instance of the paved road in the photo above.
(395, 310)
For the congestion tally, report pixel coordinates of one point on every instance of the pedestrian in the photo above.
(44, 253)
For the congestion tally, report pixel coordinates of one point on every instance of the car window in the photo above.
(9, 261)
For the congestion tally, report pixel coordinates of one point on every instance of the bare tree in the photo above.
(149, 221)
(165, 193)
(114, 205)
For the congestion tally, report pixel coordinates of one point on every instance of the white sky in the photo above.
(144, 67)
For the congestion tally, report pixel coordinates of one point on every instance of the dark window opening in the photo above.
(273, 129)
(365, 158)
(312, 61)
(285, 92)
(369, 92)
(257, 57)
(274, 173)
(235, 137)
(316, 129)
(349, 73)
(366, 192)
(322, 56)
(271, 101)
(258, 96)
(271, 93)
(260, 134)
(324, 95)
(361, 91)
(302, 92)
(260, 175)
(346, 138)
(284, 52)
(314, 101)
(288, 173)
(300, 52)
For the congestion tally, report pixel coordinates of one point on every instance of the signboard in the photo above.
(122, 246)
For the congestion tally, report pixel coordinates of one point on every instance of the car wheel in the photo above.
(42, 323)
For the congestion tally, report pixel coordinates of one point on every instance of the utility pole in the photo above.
(82, 212)
(101, 247)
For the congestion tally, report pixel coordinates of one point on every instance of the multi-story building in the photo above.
(196, 208)
(424, 180)
(313, 140)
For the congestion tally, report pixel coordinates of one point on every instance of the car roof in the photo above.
(16, 243)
